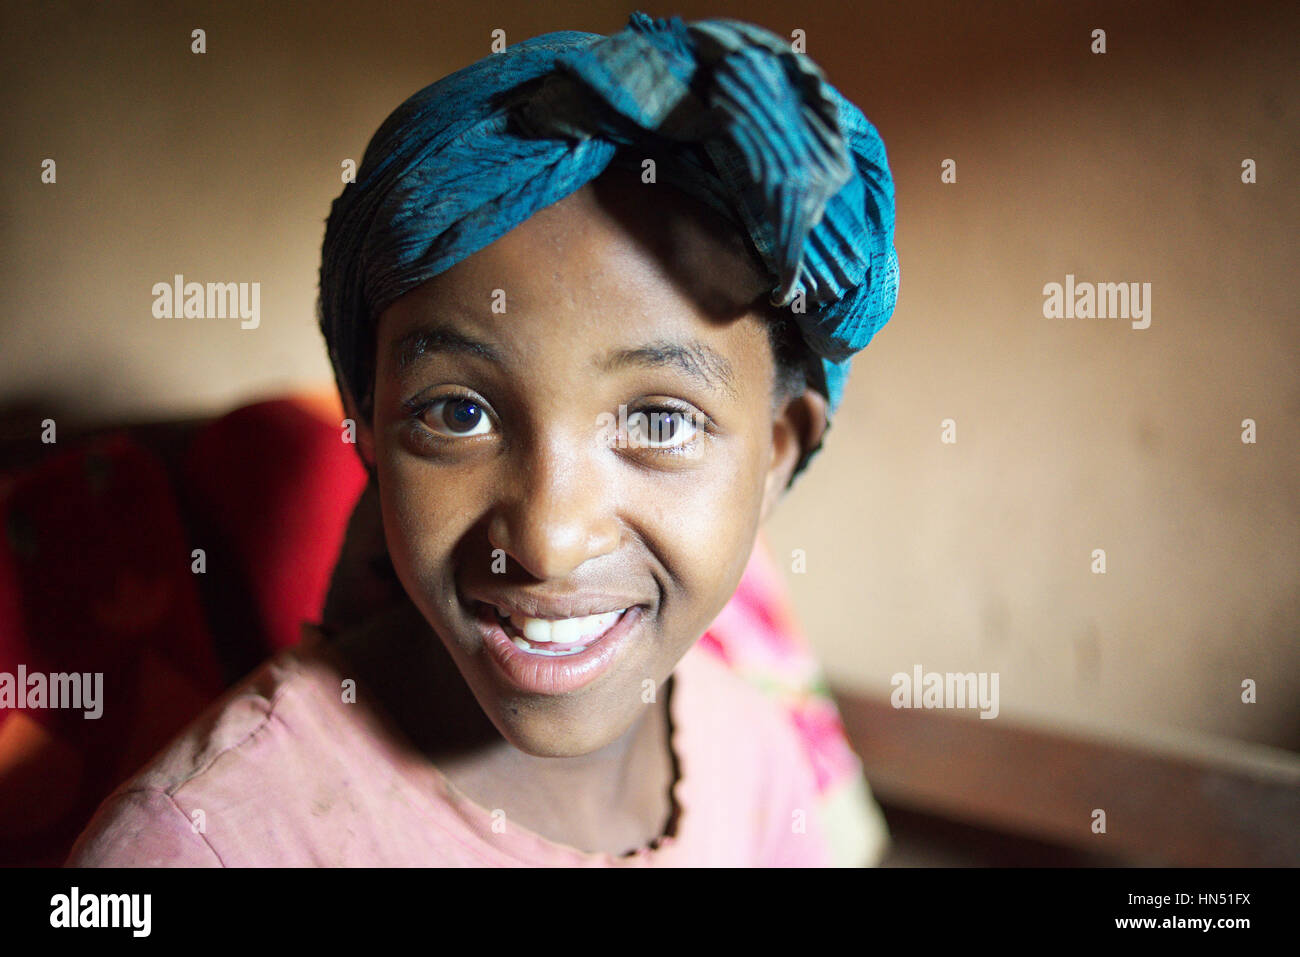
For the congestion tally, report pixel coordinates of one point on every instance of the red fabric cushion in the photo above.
(273, 483)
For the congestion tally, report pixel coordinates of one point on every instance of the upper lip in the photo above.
(555, 607)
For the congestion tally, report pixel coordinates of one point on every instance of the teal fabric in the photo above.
(740, 121)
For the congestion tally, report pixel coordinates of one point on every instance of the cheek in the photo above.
(420, 507)
(707, 529)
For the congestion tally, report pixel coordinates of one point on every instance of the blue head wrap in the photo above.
(746, 125)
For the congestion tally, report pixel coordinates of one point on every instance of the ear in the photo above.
(796, 429)
(365, 433)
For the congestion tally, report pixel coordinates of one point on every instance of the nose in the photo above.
(556, 510)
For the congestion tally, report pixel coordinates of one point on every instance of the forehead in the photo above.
(614, 264)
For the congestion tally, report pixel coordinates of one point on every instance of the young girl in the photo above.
(590, 305)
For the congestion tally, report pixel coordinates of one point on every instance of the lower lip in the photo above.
(542, 674)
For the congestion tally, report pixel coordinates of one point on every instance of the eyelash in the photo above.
(418, 407)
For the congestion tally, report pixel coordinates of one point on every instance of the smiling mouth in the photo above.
(553, 656)
(552, 638)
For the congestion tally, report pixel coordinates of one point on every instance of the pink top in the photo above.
(286, 775)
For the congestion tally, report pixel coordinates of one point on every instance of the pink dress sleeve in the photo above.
(141, 828)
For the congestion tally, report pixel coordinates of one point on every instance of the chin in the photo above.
(555, 731)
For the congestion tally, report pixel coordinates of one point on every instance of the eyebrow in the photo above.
(427, 340)
(693, 357)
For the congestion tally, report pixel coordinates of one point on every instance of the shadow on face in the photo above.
(700, 253)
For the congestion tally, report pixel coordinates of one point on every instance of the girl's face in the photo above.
(507, 485)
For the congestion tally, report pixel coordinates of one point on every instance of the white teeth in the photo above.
(566, 631)
(571, 632)
(525, 646)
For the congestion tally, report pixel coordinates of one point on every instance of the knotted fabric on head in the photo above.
(742, 122)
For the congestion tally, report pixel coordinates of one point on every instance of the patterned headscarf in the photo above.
(744, 124)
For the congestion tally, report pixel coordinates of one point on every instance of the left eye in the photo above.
(456, 417)
(661, 428)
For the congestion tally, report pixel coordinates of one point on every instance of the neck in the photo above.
(613, 800)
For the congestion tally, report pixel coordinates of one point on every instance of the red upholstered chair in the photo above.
(98, 574)
(269, 489)
(94, 578)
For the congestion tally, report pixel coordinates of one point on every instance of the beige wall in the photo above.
(1071, 434)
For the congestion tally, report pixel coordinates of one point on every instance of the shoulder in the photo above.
(291, 702)
(264, 736)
